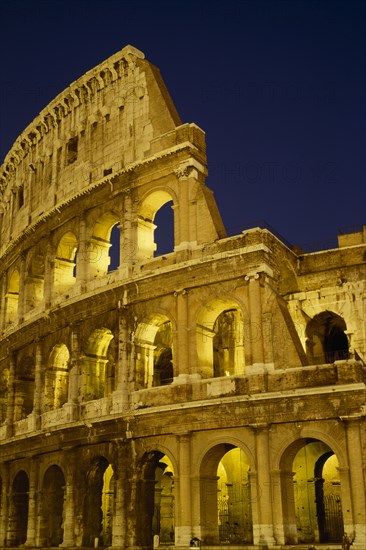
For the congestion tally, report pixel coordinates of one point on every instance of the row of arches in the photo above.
(81, 256)
(226, 497)
(220, 345)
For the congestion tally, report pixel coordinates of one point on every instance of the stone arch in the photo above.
(98, 503)
(220, 338)
(64, 276)
(51, 507)
(101, 245)
(99, 364)
(154, 352)
(18, 509)
(312, 512)
(225, 495)
(326, 338)
(12, 296)
(57, 378)
(150, 204)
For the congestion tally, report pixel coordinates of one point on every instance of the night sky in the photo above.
(278, 87)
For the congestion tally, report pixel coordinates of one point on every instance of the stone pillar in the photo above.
(357, 481)
(84, 255)
(48, 276)
(121, 394)
(119, 529)
(346, 498)
(278, 517)
(32, 503)
(263, 531)
(38, 387)
(255, 312)
(22, 275)
(180, 359)
(4, 504)
(128, 245)
(69, 502)
(288, 507)
(2, 302)
(11, 396)
(183, 531)
(74, 378)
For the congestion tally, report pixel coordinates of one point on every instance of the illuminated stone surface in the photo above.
(215, 392)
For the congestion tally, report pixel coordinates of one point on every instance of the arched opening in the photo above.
(164, 229)
(104, 245)
(154, 352)
(18, 510)
(98, 504)
(57, 378)
(155, 501)
(12, 297)
(220, 339)
(146, 237)
(226, 511)
(65, 264)
(326, 339)
(34, 280)
(163, 519)
(24, 387)
(99, 365)
(312, 502)
(51, 507)
(4, 377)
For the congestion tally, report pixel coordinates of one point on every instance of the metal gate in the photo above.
(333, 518)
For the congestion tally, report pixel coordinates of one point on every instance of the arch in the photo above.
(225, 496)
(220, 338)
(102, 246)
(99, 365)
(98, 504)
(326, 339)
(57, 378)
(12, 296)
(18, 510)
(154, 352)
(149, 206)
(311, 493)
(51, 507)
(65, 263)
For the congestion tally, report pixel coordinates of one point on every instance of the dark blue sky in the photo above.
(278, 87)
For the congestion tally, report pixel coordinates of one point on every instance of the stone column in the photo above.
(357, 481)
(32, 503)
(11, 396)
(22, 275)
(180, 361)
(38, 388)
(255, 312)
(48, 276)
(120, 397)
(2, 302)
(69, 502)
(263, 531)
(74, 378)
(119, 530)
(83, 255)
(4, 504)
(278, 518)
(183, 531)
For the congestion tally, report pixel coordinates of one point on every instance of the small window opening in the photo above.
(107, 171)
(20, 196)
(114, 249)
(72, 150)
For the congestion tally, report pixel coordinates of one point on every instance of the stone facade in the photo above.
(216, 392)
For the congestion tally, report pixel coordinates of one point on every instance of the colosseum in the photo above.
(213, 395)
